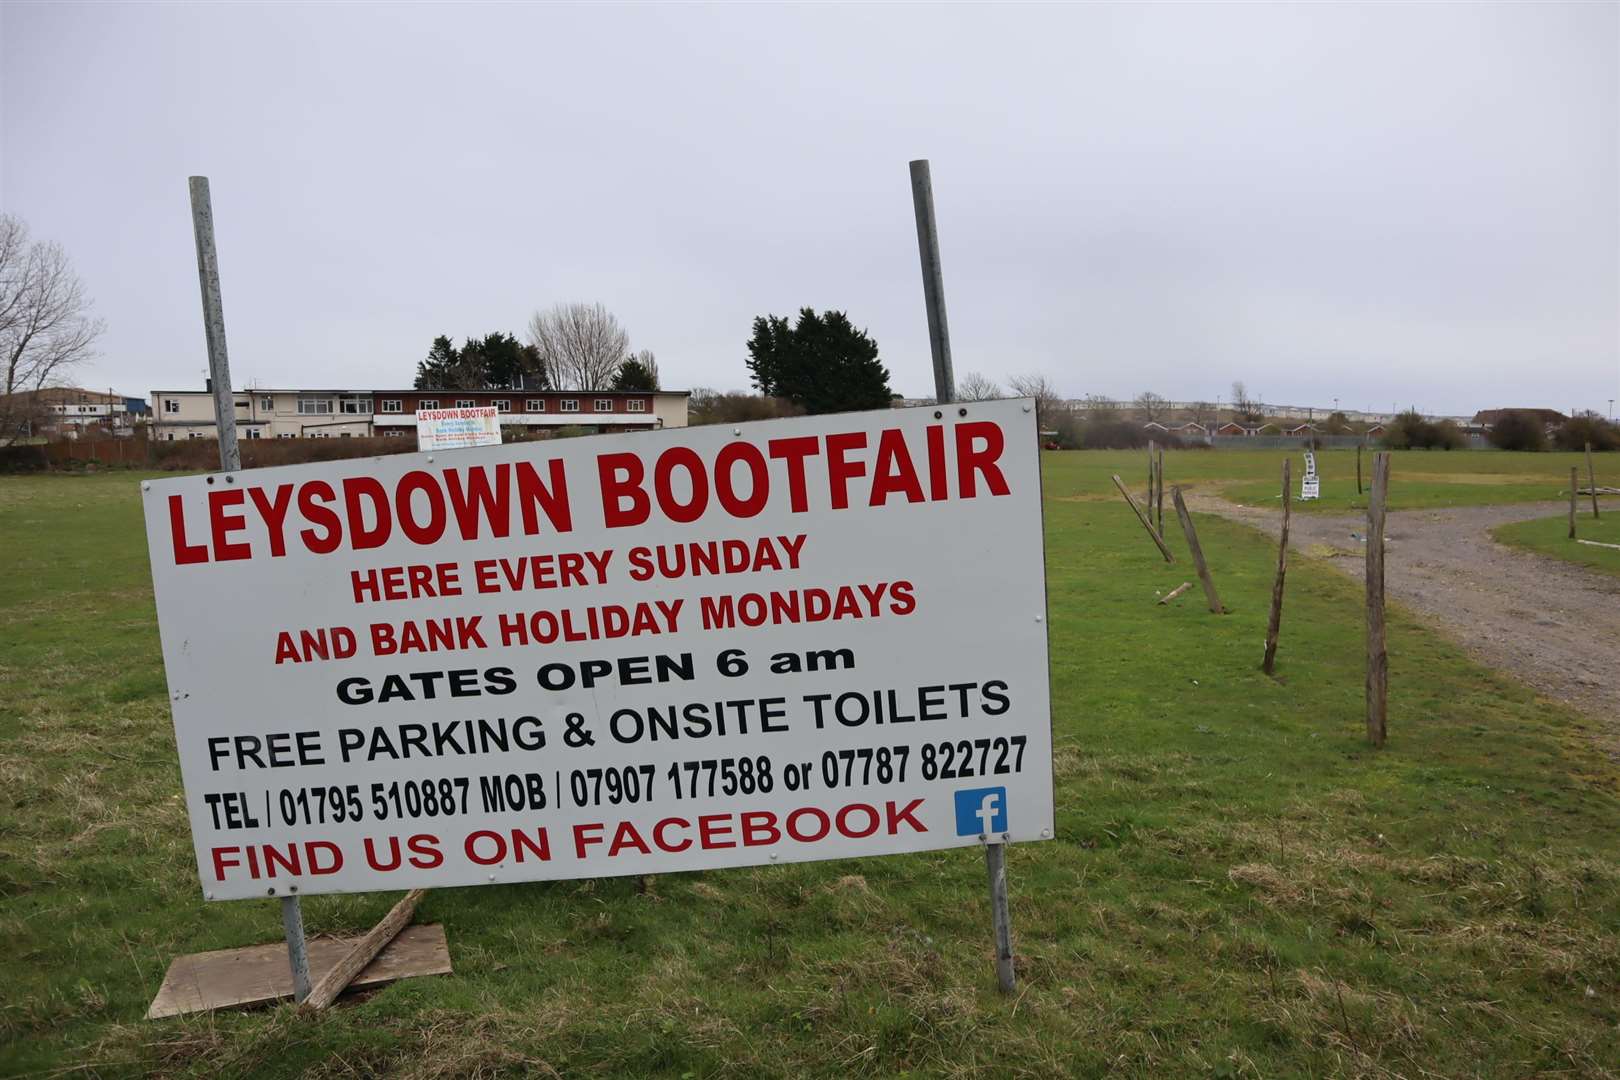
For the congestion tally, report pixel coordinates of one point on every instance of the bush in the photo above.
(712, 407)
(1578, 431)
(1411, 431)
(1518, 431)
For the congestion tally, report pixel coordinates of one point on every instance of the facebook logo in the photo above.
(981, 811)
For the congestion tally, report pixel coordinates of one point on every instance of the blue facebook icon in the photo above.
(980, 811)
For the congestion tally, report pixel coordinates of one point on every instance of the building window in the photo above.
(346, 435)
(355, 405)
(604, 404)
(285, 435)
(635, 405)
(250, 433)
(570, 404)
(535, 404)
(389, 405)
(194, 435)
(268, 404)
(428, 403)
(314, 406)
(502, 405)
(393, 433)
(465, 403)
(171, 436)
(170, 405)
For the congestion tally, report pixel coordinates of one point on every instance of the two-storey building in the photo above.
(327, 414)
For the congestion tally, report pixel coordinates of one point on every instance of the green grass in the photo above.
(1550, 536)
(1240, 887)
(1419, 479)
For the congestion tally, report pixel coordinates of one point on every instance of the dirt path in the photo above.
(1554, 625)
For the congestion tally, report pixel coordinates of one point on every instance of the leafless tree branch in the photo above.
(45, 325)
(976, 387)
(582, 345)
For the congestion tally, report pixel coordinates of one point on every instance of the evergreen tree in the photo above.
(435, 372)
(639, 372)
(493, 362)
(822, 363)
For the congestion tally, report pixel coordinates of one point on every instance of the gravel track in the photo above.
(1552, 624)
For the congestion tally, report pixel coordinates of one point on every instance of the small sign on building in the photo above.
(1310, 486)
(454, 429)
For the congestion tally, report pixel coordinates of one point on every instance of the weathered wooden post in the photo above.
(939, 340)
(1197, 549)
(1377, 657)
(1274, 624)
(1158, 471)
(1574, 486)
(1153, 482)
(1591, 480)
(230, 460)
(1147, 523)
(1358, 468)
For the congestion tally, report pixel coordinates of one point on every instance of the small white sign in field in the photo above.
(453, 429)
(1310, 486)
(694, 648)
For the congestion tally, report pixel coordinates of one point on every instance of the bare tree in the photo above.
(646, 359)
(1205, 413)
(581, 345)
(1100, 409)
(1244, 405)
(1151, 407)
(45, 323)
(1047, 401)
(976, 387)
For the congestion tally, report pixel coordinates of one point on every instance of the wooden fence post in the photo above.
(1358, 468)
(1574, 486)
(1377, 656)
(1153, 480)
(1591, 480)
(1158, 471)
(1274, 624)
(1146, 524)
(1197, 552)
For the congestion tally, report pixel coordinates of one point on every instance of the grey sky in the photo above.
(1379, 203)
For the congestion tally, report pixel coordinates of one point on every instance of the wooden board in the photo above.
(259, 974)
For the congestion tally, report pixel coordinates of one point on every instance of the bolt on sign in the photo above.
(685, 649)
(452, 429)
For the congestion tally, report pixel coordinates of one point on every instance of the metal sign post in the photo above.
(230, 460)
(939, 341)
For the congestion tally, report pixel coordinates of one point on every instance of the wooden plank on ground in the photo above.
(1175, 592)
(258, 974)
(330, 985)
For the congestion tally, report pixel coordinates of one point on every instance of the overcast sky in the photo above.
(1381, 204)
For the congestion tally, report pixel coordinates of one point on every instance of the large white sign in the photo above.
(1310, 485)
(452, 429)
(693, 648)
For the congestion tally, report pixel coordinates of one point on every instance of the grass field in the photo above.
(1419, 478)
(1550, 536)
(1239, 887)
